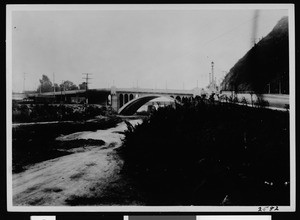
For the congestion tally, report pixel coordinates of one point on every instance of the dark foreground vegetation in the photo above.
(32, 143)
(210, 154)
(22, 113)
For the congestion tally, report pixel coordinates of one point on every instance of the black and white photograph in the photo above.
(198, 217)
(150, 107)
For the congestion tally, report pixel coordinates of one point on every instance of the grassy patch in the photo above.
(69, 144)
(75, 200)
(91, 164)
(77, 176)
(120, 192)
(36, 201)
(53, 189)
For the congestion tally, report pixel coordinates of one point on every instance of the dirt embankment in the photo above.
(89, 176)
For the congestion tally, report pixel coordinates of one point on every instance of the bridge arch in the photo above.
(132, 106)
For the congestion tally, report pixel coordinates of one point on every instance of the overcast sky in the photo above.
(148, 48)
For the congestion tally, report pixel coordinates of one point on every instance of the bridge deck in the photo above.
(154, 91)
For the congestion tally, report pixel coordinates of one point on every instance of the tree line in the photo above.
(47, 86)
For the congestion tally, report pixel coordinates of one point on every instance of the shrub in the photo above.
(287, 107)
(45, 112)
(244, 101)
(196, 154)
(260, 102)
(235, 99)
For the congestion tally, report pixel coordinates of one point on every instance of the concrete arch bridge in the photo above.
(114, 97)
(128, 101)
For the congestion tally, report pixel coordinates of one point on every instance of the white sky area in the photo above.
(237, 217)
(146, 48)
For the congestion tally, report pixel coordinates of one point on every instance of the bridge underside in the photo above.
(131, 107)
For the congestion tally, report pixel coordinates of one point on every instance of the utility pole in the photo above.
(41, 86)
(212, 75)
(279, 86)
(53, 86)
(86, 79)
(254, 41)
(24, 79)
(61, 89)
(86, 84)
(215, 84)
(54, 83)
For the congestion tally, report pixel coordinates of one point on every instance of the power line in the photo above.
(232, 29)
(24, 79)
(135, 68)
(53, 86)
(207, 42)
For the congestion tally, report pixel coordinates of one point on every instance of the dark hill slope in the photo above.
(265, 66)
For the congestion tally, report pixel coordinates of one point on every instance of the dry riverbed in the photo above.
(89, 176)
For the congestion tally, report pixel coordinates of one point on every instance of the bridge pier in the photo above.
(114, 102)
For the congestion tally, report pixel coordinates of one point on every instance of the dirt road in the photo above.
(89, 176)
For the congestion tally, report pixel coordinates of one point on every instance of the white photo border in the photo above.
(11, 8)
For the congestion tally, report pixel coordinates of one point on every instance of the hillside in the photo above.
(265, 67)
